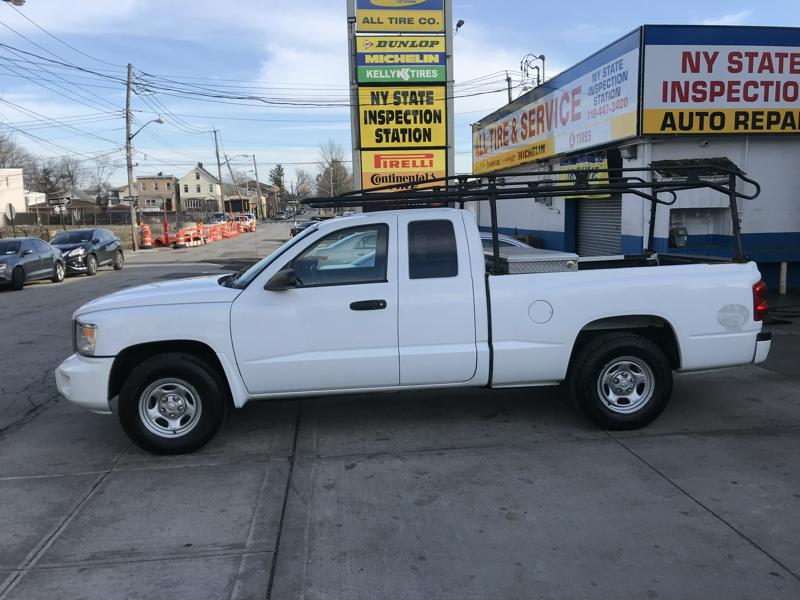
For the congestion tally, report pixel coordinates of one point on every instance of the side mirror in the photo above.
(27, 252)
(282, 280)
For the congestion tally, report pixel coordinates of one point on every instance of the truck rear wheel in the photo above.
(621, 381)
(172, 404)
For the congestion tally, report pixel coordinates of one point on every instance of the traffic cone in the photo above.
(180, 240)
(147, 237)
(240, 226)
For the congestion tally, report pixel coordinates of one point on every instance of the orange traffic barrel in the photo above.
(180, 240)
(147, 237)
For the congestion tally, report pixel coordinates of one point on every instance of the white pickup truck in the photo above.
(400, 300)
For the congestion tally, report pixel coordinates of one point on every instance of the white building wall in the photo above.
(12, 191)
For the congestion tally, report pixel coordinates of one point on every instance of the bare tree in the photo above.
(73, 172)
(104, 168)
(303, 184)
(333, 177)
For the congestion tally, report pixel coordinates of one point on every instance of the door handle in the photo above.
(368, 305)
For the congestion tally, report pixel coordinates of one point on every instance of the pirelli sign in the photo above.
(388, 167)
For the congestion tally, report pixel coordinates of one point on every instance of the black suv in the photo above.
(85, 250)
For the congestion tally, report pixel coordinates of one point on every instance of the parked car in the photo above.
(85, 250)
(281, 216)
(217, 218)
(301, 227)
(506, 241)
(419, 309)
(248, 220)
(26, 259)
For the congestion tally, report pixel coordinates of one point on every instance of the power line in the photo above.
(35, 24)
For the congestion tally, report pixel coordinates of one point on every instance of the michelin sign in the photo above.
(395, 59)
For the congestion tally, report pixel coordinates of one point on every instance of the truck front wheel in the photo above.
(172, 404)
(621, 381)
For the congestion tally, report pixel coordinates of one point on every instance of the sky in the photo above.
(292, 50)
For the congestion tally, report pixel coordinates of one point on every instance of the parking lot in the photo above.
(436, 494)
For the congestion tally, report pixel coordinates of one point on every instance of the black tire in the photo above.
(185, 371)
(91, 265)
(625, 363)
(59, 271)
(119, 261)
(17, 279)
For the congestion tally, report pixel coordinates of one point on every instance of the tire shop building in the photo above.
(662, 96)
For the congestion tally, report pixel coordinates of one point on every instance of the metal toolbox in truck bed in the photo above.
(534, 260)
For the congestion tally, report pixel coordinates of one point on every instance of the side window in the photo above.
(25, 245)
(432, 250)
(40, 246)
(345, 257)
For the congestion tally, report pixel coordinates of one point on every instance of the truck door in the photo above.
(337, 330)
(436, 303)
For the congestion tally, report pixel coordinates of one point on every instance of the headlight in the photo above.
(77, 252)
(85, 338)
(3, 267)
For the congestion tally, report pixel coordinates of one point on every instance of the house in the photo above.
(12, 191)
(158, 193)
(199, 190)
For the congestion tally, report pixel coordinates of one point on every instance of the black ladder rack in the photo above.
(658, 184)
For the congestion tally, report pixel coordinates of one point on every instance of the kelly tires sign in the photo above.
(717, 80)
(392, 167)
(396, 16)
(401, 59)
(395, 117)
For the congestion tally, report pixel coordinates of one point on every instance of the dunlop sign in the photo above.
(407, 117)
(385, 59)
(393, 167)
(394, 16)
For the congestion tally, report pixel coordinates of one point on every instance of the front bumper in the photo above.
(763, 343)
(84, 381)
(75, 264)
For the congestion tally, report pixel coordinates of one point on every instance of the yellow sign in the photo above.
(394, 16)
(393, 167)
(587, 162)
(402, 117)
(724, 120)
(386, 44)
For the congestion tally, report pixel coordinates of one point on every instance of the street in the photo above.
(430, 494)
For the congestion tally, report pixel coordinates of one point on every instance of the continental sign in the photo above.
(591, 104)
(744, 80)
(394, 167)
(394, 16)
(401, 59)
(397, 117)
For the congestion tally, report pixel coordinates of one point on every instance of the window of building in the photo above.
(143, 185)
(432, 250)
(150, 203)
(197, 188)
(169, 185)
(197, 175)
(346, 257)
(186, 188)
(155, 186)
(211, 188)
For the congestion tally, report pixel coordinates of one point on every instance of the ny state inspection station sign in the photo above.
(406, 59)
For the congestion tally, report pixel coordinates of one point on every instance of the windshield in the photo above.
(7, 248)
(243, 280)
(72, 237)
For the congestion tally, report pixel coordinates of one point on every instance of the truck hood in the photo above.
(196, 290)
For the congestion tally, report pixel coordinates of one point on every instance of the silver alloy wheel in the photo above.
(59, 271)
(626, 384)
(170, 408)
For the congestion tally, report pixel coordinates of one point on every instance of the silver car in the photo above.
(29, 259)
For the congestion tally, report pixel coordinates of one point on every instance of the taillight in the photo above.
(760, 308)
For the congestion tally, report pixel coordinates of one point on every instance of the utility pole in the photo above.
(221, 201)
(261, 208)
(129, 156)
(236, 183)
(508, 83)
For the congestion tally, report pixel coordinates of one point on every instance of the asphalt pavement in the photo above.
(437, 494)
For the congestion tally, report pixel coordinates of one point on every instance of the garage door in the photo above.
(599, 226)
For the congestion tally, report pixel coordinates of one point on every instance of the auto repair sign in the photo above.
(717, 80)
(593, 103)
(393, 16)
(406, 59)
